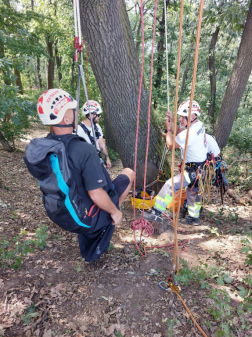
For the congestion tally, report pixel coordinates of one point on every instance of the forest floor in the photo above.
(56, 293)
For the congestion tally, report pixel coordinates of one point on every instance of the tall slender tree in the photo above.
(237, 84)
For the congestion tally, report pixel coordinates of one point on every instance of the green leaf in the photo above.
(242, 292)
(249, 261)
(220, 281)
(228, 279)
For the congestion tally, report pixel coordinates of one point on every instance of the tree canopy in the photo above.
(37, 53)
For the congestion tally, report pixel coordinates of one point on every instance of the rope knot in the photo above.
(143, 225)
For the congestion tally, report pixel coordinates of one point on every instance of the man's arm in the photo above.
(102, 200)
(169, 124)
(104, 150)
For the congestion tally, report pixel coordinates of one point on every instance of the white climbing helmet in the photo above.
(183, 109)
(95, 108)
(53, 104)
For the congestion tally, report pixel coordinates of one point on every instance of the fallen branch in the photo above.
(241, 160)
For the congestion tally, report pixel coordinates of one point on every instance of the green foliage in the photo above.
(247, 249)
(171, 323)
(111, 247)
(241, 135)
(12, 252)
(220, 309)
(113, 155)
(29, 314)
(41, 236)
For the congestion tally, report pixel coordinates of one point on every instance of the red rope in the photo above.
(138, 109)
(143, 224)
(146, 231)
(150, 95)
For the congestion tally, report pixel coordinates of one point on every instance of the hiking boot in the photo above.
(182, 212)
(189, 220)
(153, 215)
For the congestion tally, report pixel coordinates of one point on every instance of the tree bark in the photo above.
(212, 74)
(112, 54)
(5, 143)
(236, 86)
(160, 51)
(184, 79)
(58, 63)
(50, 63)
(18, 81)
(38, 73)
(72, 72)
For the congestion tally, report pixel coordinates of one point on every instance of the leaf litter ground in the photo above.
(56, 293)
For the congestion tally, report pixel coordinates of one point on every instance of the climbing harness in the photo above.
(88, 133)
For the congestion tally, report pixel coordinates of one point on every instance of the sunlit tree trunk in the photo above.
(18, 81)
(236, 86)
(58, 63)
(38, 74)
(212, 74)
(50, 63)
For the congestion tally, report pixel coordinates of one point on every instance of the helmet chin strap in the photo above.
(88, 117)
(192, 120)
(68, 125)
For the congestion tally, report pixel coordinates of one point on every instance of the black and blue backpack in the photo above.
(47, 160)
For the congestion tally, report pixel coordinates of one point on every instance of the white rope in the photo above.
(166, 52)
(165, 151)
(75, 20)
(77, 26)
(78, 16)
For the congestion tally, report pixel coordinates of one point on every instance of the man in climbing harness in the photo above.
(101, 196)
(195, 158)
(85, 128)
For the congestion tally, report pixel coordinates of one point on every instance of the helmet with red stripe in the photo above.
(183, 109)
(94, 106)
(53, 104)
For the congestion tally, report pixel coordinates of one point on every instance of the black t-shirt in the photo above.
(86, 160)
(89, 174)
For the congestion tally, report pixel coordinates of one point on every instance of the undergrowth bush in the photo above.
(12, 252)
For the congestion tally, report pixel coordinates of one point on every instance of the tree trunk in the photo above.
(236, 86)
(112, 54)
(50, 63)
(58, 63)
(184, 79)
(18, 81)
(109, 136)
(38, 73)
(5, 143)
(72, 72)
(160, 51)
(212, 74)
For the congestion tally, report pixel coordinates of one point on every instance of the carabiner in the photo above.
(163, 288)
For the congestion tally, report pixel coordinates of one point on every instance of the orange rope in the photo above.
(189, 312)
(176, 256)
(175, 221)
